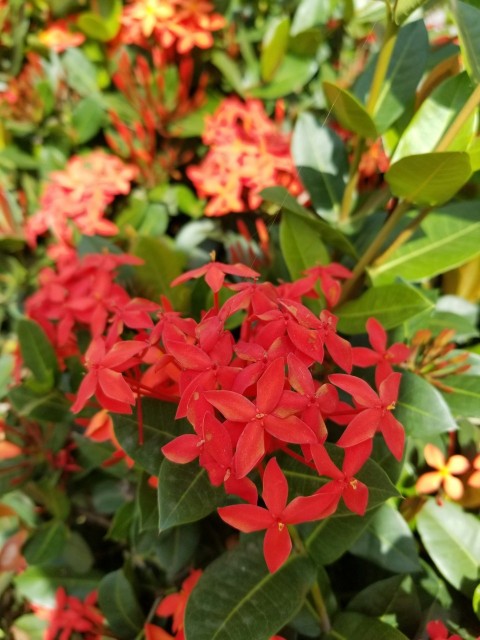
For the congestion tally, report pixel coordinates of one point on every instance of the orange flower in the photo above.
(444, 476)
(58, 38)
(474, 480)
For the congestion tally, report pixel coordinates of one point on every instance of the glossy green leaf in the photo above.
(321, 161)
(429, 178)
(391, 304)
(50, 407)
(274, 46)
(452, 539)
(176, 546)
(354, 625)
(328, 234)
(237, 598)
(185, 494)
(159, 428)
(37, 353)
(119, 604)
(39, 585)
(349, 111)
(291, 77)
(474, 153)
(388, 542)
(464, 395)
(467, 17)
(421, 409)
(404, 8)
(406, 68)
(435, 116)
(46, 542)
(301, 246)
(393, 600)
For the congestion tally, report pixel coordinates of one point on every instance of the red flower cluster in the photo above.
(72, 615)
(438, 631)
(249, 396)
(179, 24)
(248, 152)
(77, 196)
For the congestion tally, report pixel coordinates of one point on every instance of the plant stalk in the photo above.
(405, 235)
(383, 62)
(465, 112)
(352, 180)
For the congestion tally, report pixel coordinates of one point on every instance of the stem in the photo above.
(376, 201)
(383, 62)
(352, 180)
(466, 111)
(315, 590)
(374, 248)
(405, 235)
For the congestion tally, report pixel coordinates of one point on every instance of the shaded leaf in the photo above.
(45, 543)
(51, 407)
(301, 246)
(119, 604)
(349, 111)
(464, 397)
(291, 77)
(467, 18)
(37, 353)
(354, 625)
(403, 8)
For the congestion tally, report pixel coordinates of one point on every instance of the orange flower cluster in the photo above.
(248, 152)
(181, 24)
(58, 37)
(77, 197)
(445, 473)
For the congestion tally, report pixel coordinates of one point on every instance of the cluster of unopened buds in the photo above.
(253, 394)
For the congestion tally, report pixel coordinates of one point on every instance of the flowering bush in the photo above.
(239, 359)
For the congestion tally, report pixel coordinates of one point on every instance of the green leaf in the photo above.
(147, 504)
(474, 153)
(452, 538)
(476, 601)
(237, 598)
(467, 18)
(301, 246)
(349, 111)
(291, 77)
(393, 600)
(274, 46)
(37, 353)
(391, 304)
(30, 626)
(46, 543)
(185, 494)
(407, 64)
(6, 370)
(161, 264)
(403, 8)
(77, 554)
(388, 542)
(229, 69)
(159, 428)
(328, 234)
(321, 161)
(422, 410)
(310, 13)
(464, 395)
(429, 178)
(87, 118)
(51, 407)
(119, 604)
(347, 626)
(176, 546)
(38, 585)
(80, 73)
(434, 118)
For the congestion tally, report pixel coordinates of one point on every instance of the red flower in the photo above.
(438, 631)
(214, 273)
(175, 604)
(248, 517)
(374, 412)
(71, 616)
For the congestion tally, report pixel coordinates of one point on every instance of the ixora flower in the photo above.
(438, 631)
(431, 481)
(58, 37)
(70, 616)
(248, 152)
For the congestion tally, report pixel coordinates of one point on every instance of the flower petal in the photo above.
(276, 546)
(246, 517)
(433, 456)
(275, 488)
(270, 386)
(231, 405)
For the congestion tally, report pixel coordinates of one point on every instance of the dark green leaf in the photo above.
(328, 234)
(388, 542)
(349, 112)
(467, 18)
(390, 304)
(52, 407)
(464, 395)
(452, 539)
(159, 428)
(176, 546)
(185, 494)
(77, 554)
(147, 505)
(37, 353)
(236, 598)
(348, 626)
(301, 246)
(119, 604)
(321, 161)
(429, 178)
(422, 410)
(46, 542)
(87, 118)
(274, 46)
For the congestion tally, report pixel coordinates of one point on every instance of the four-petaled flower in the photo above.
(431, 481)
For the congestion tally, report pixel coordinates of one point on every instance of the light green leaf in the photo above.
(185, 494)
(38, 585)
(87, 118)
(237, 598)
(467, 18)
(435, 116)
(452, 538)
(388, 542)
(46, 543)
(421, 409)
(347, 626)
(80, 73)
(321, 161)
(391, 304)
(446, 238)
(119, 604)
(474, 153)
(309, 14)
(301, 246)
(229, 70)
(464, 395)
(291, 77)
(403, 8)
(274, 46)
(329, 235)
(429, 178)
(349, 111)
(37, 353)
